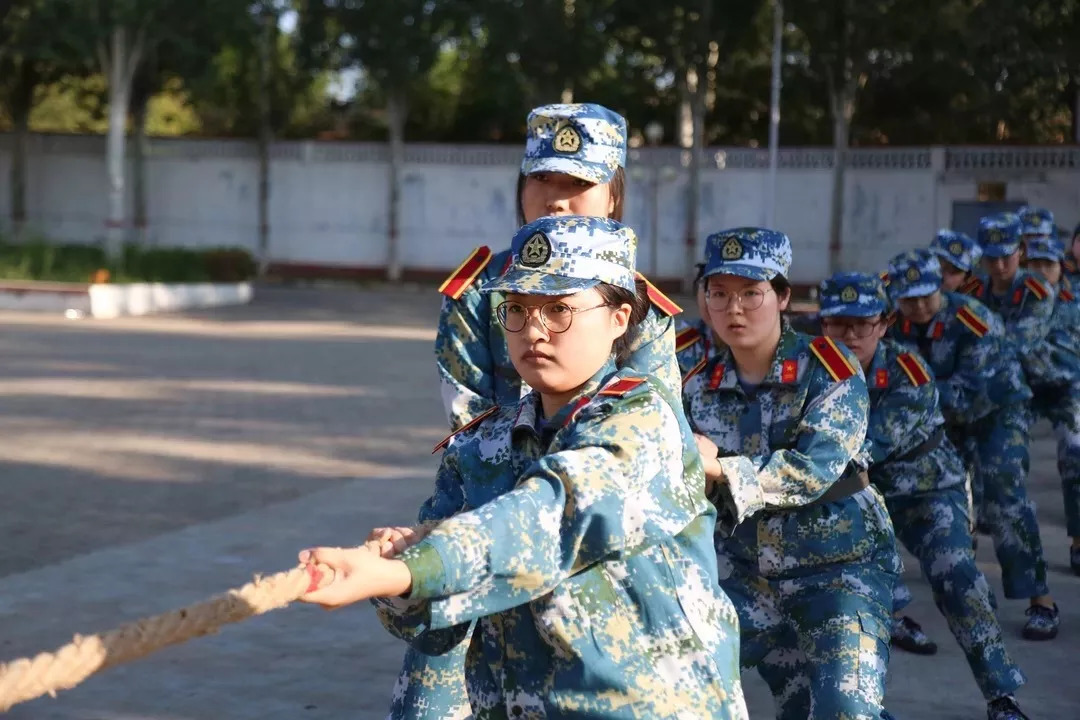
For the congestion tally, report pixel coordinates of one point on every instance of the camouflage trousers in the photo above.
(997, 446)
(935, 528)
(819, 639)
(1061, 406)
(432, 687)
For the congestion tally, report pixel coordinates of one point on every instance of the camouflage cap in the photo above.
(1045, 247)
(584, 140)
(1036, 221)
(916, 273)
(852, 295)
(957, 248)
(567, 254)
(999, 235)
(754, 253)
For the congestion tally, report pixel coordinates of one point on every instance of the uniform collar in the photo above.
(530, 413)
(721, 374)
(877, 376)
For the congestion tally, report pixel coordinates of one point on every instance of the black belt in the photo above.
(852, 481)
(925, 447)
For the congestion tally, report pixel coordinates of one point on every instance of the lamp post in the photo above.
(774, 110)
(654, 133)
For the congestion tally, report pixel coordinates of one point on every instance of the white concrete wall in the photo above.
(329, 200)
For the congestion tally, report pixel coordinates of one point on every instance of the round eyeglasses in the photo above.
(555, 316)
(748, 299)
(859, 327)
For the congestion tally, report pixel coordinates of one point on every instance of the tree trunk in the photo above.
(139, 152)
(115, 150)
(842, 106)
(396, 111)
(265, 136)
(697, 88)
(18, 172)
(1076, 112)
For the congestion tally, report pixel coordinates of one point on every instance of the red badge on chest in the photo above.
(1017, 297)
(789, 372)
(881, 378)
(906, 327)
(939, 330)
(717, 376)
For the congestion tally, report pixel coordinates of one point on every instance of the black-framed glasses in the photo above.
(748, 299)
(555, 316)
(859, 327)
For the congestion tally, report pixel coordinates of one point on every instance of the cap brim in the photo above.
(750, 272)
(851, 311)
(589, 172)
(920, 290)
(1042, 256)
(532, 282)
(1000, 251)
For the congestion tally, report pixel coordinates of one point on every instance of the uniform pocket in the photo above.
(873, 660)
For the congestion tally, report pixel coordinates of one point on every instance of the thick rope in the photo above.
(29, 678)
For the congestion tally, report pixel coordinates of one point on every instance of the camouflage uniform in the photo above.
(474, 367)
(1054, 375)
(807, 551)
(983, 398)
(921, 475)
(694, 344)
(580, 545)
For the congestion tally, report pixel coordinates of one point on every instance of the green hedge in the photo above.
(83, 263)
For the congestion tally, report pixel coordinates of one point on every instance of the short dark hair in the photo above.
(617, 186)
(638, 301)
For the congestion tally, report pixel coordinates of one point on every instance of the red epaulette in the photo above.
(467, 426)
(1036, 288)
(618, 388)
(685, 338)
(1066, 295)
(825, 350)
(460, 280)
(695, 370)
(662, 302)
(972, 321)
(913, 368)
(884, 277)
(972, 286)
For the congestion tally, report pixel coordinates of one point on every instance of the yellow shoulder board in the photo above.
(467, 426)
(662, 302)
(913, 368)
(460, 280)
(832, 358)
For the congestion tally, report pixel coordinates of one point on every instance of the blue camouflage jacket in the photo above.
(975, 370)
(909, 453)
(582, 548)
(782, 449)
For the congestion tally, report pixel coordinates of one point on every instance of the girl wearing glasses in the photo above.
(806, 547)
(586, 561)
(923, 480)
(574, 163)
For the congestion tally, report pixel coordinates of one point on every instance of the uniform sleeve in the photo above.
(463, 356)
(653, 351)
(976, 359)
(905, 419)
(617, 485)
(1027, 333)
(828, 436)
(407, 618)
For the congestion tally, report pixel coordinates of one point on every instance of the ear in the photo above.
(620, 319)
(784, 300)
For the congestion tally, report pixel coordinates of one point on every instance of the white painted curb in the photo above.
(118, 300)
(110, 301)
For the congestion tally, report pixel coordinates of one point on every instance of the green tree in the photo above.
(37, 46)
